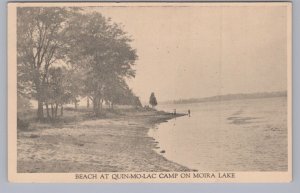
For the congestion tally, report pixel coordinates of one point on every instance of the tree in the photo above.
(40, 45)
(64, 53)
(118, 92)
(137, 101)
(65, 87)
(57, 90)
(114, 90)
(101, 49)
(152, 101)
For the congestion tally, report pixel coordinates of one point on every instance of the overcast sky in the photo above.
(189, 52)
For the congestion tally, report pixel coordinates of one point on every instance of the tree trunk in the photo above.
(52, 111)
(101, 104)
(61, 110)
(56, 107)
(96, 106)
(39, 92)
(75, 103)
(47, 107)
(88, 103)
(40, 111)
(96, 109)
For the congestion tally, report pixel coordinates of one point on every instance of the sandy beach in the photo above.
(118, 143)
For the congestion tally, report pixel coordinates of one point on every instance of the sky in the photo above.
(193, 52)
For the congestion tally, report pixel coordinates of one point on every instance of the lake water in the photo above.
(237, 135)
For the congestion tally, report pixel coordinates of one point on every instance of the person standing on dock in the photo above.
(189, 112)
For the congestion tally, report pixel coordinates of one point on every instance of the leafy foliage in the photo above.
(39, 46)
(64, 53)
(102, 50)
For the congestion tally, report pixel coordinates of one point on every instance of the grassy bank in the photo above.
(118, 142)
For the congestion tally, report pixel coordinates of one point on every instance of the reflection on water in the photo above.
(239, 135)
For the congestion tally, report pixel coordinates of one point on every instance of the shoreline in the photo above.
(118, 143)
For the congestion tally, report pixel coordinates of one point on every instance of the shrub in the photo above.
(22, 124)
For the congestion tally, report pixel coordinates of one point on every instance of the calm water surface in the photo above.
(237, 135)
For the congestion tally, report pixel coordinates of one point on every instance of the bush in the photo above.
(22, 125)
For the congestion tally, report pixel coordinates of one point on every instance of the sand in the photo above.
(116, 144)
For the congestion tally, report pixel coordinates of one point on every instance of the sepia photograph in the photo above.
(149, 92)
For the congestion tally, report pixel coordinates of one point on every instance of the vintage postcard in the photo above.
(149, 92)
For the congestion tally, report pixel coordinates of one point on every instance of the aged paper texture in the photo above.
(149, 92)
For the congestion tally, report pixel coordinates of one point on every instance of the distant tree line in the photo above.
(65, 53)
(227, 97)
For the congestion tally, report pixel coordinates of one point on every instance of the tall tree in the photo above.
(114, 91)
(61, 89)
(152, 101)
(40, 44)
(103, 52)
